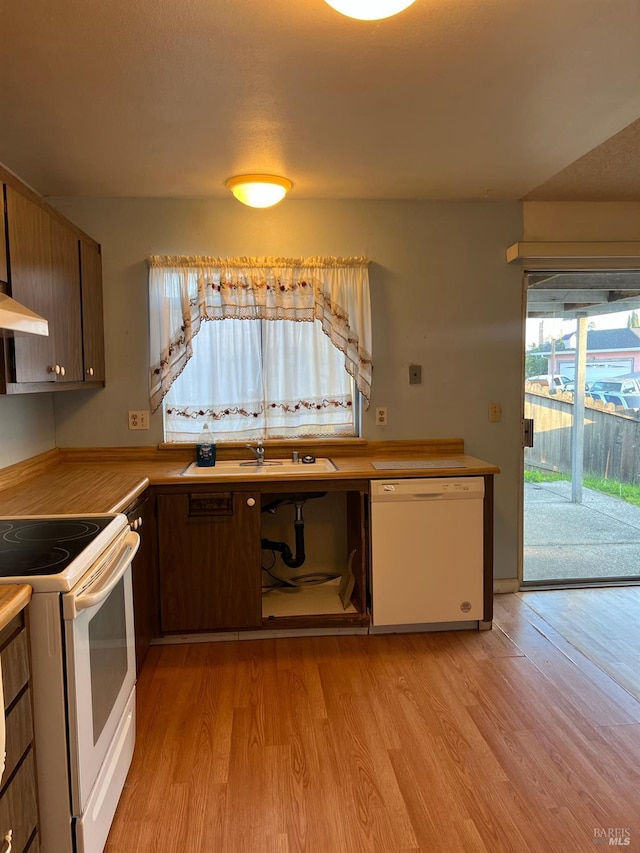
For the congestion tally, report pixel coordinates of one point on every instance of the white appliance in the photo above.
(83, 667)
(427, 553)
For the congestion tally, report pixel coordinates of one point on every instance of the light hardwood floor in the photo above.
(503, 741)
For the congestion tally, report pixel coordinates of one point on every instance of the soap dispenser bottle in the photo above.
(205, 449)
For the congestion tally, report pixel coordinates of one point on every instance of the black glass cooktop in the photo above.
(44, 546)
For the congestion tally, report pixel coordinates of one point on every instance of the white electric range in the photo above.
(83, 666)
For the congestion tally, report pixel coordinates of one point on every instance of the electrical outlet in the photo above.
(381, 416)
(415, 374)
(139, 420)
(495, 412)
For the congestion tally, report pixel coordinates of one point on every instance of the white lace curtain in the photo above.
(184, 291)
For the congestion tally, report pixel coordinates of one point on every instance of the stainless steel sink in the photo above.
(270, 467)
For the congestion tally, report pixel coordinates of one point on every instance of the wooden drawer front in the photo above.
(18, 811)
(19, 733)
(15, 667)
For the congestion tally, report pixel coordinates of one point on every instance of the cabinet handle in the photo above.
(139, 522)
(7, 840)
(62, 371)
(54, 369)
(89, 371)
(251, 501)
(134, 524)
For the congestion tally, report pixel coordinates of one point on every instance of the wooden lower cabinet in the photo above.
(142, 518)
(18, 801)
(210, 555)
(209, 560)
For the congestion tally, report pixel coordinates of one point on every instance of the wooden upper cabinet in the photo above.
(65, 316)
(55, 271)
(29, 239)
(92, 313)
(4, 269)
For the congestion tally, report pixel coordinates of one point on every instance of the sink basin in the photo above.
(237, 467)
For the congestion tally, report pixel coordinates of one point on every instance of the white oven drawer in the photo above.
(92, 829)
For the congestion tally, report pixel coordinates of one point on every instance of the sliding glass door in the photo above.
(582, 391)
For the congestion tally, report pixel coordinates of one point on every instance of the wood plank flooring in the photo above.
(602, 624)
(501, 741)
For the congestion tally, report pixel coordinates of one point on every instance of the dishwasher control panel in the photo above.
(442, 488)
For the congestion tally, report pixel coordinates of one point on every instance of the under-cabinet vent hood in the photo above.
(14, 317)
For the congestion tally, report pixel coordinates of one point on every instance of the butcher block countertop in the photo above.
(13, 599)
(80, 480)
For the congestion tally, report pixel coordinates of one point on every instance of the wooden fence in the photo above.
(611, 436)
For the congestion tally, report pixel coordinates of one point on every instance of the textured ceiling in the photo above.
(609, 172)
(451, 99)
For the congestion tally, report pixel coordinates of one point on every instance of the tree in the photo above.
(633, 320)
(535, 365)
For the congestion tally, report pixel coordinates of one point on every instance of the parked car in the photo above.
(553, 383)
(571, 386)
(629, 384)
(627, 401)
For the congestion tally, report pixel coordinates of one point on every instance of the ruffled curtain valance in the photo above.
(184, 291)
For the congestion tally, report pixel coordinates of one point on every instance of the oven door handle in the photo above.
(98, 591)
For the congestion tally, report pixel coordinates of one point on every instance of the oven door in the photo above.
(100, 662)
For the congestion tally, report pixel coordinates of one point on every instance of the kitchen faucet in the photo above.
(258, 452)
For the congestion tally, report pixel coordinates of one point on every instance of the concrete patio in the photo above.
(599, 538)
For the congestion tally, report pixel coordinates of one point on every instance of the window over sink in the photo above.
(259, 348)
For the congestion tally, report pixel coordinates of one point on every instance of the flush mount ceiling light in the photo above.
(369, 10)
(259, 190)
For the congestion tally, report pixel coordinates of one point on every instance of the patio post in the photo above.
(577, 427)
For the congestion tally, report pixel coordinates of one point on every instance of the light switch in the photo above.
(415, 374)
(495, 412)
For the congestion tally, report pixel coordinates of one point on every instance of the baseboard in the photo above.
(501, 585)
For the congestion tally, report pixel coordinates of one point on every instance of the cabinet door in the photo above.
(4, 270)
(209, 557)
(92, 312)
(65, 287)
(29, 237)
(142, 517)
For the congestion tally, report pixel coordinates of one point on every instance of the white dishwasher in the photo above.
(427, 553)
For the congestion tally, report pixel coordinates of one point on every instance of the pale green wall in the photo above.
(442, 296)
(27, 427)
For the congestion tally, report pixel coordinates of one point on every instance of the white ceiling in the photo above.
(451, 99)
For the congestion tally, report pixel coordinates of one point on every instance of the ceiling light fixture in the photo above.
(259, 190)
(369, 10)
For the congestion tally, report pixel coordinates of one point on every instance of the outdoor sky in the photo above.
(556, 328)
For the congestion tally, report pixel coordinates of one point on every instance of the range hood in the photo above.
(14, 317)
